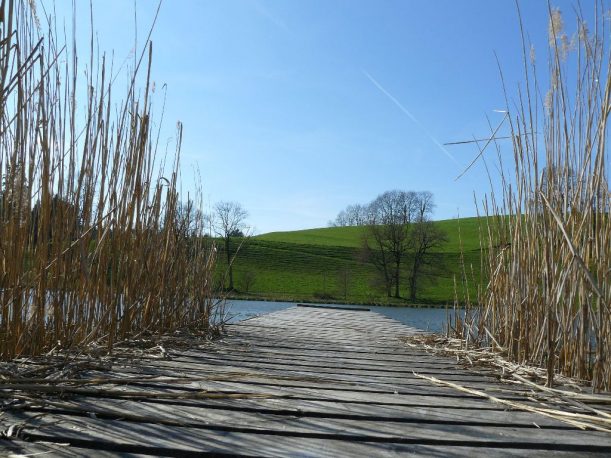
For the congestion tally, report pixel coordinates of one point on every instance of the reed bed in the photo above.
(570, 403)
(96, 243)
(547, 243)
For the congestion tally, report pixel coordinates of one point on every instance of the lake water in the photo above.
(428, 319)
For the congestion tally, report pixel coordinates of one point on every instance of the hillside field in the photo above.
(325, 264)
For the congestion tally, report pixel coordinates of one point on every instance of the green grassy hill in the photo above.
(325, 264)
(352, 236)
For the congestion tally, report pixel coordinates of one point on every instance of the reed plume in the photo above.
(547, 240)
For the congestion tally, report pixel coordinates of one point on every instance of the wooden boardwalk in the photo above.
(299, 382)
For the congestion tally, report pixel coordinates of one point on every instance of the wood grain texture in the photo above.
(304, 381)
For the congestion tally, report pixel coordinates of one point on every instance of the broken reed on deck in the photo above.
(95, 245)
(547, 243)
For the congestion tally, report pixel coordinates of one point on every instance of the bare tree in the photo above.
(425, 205)
(387, 239)
(341, 220)
(356, 215)
(353, 215)
(400, 238)
(229, 220)
(247, 280)
(425, 236)
(189, 220)
(344, 281)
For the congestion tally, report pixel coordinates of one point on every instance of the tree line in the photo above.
(400, 239)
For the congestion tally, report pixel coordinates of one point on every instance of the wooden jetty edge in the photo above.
(304, 381)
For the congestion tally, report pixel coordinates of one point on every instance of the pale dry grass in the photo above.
(96, 244)
(569, 403)
(547, 244)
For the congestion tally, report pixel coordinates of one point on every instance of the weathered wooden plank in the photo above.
(346, 336)
(67, 427)
(359, 309)
(235, 381)
(24, 449)
(367, 372)
(371, 366)
(361, 376)
(225, 389)
(348, 326)
(406, 385)
(298, 342)
(365, 322)
(355, 375)
(256, 412)
(252, 348)
(468, 411)
(349, 331)
(237, 444)
(295, 317)
(317, 382)
(297, 396)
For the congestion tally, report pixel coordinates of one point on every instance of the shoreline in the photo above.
(313, 300)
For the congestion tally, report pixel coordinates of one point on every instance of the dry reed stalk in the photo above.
(582, 421)
(95, 243)
(547, 239)
(489, 358)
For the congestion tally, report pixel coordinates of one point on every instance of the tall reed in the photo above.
(547, 243)
(95, 243)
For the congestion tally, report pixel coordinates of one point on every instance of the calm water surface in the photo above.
(429, 319)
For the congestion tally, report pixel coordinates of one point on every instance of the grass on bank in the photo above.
(352, 236)
(325, 264)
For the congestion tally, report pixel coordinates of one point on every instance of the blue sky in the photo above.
(297, 109)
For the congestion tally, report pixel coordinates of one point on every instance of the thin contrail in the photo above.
(409, 115)
(261, 9)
